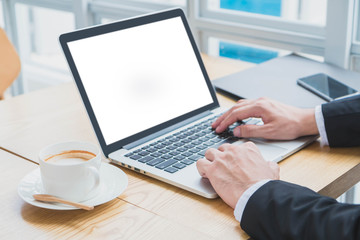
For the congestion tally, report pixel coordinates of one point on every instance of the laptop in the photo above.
(150, 100)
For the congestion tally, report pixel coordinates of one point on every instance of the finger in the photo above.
(240, 103)
(249, 131)
(202, 166)
(215, 124)
(239, 113)
(211, 153)
(224, 146)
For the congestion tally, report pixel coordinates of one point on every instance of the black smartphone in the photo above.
(325, 87)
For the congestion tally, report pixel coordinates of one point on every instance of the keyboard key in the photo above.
(167, 143)
(187, 154)
(165, 164)
(137, 151)
(151, 150)
(179, 144)
(143, 153)
(186, 140)
(201, 147)
(172, 147)
(189, 146)
(187, 161)
(146, 159)
(202, 153)
(155, 161)
(159, 146)
(174, 139)
(155, 154)
(163, 151)
(174, 153)
(216, 140)
(179, 165)
(135, 157)
(196, 142)
(195, 157)
(208, 143)
(194, 150)
(179, 157)
(129, 154)
(193, 137)
(182, 149)
(201, 134)
(171, 170)
(166, 156)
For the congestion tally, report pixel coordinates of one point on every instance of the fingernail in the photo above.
(217, 129)
(236, 132)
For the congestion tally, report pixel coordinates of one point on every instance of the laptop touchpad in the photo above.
(270, 152)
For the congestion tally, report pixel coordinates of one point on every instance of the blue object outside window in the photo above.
(245, 53)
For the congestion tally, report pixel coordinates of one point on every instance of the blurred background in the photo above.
(247, 30)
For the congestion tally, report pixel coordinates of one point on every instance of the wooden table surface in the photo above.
(148, 209)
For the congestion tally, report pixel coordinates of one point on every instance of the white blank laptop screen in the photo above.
(140, 77)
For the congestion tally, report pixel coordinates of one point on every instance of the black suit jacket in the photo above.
(280, 210)
(342, 122)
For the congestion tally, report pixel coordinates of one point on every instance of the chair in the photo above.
(9, 63)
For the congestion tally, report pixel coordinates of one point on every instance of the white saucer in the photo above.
(113, 181)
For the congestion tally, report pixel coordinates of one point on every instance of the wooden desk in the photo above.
(31, 121)
(115, 219)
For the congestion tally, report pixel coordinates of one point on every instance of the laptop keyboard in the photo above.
(184, 148)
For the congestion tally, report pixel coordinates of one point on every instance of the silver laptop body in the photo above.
(150, 100)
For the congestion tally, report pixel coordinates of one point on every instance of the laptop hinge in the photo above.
(166, 130)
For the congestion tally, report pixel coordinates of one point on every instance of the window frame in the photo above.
(256, 29)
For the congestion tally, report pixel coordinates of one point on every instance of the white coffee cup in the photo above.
(70, 170)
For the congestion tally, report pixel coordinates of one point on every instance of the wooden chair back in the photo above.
(9, 63)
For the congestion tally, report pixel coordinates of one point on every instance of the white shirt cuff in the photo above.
(321, 125)
(240, 206)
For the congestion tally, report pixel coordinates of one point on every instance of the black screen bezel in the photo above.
(117, 26)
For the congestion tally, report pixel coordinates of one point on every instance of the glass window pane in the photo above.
(357, 23)
(243, 51)
(355, 63)
(307, 11)
(43, 63)
(169, 2)
(2, 24)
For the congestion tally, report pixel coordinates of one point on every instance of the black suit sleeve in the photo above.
(281, 210)
(342, 122)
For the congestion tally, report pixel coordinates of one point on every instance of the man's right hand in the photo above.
(281, 121)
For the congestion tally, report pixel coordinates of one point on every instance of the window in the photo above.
(42, 59)
(307, 11)
(355, 49)
(303, 15)
(169, 2)
(248, 30)
(111, 10)
(2, 24)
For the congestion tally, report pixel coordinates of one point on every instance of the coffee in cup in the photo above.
(70, 170)
(70, 157)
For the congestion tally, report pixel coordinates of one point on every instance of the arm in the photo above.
(280, 210)
(276, 210)
(342, 121)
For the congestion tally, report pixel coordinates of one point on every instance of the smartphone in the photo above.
(325, 87)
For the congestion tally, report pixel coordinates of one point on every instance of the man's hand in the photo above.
(281, 122)
(232, 169)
